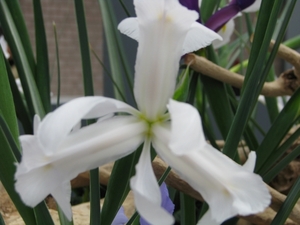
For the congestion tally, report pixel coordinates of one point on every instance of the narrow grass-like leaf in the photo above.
(58, 65)
(7, 107)
(118, 186)
(110, 31)
(288, 204)
(42, 75)
(62, 218)
(254, 77)
(214, 89)
(7, 171)
(19, 21)
(207, 9)
(293, 43)
(42, 215)
(31, 93)
(109, 75)
(21, 109)
(88, 91)
(269, 176)
(287, 117)
(187, 210)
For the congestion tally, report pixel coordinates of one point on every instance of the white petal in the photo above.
(35, 185)
(98, 144)
(62, 196)
(226, 186)
(57, 125)
(36, 123)
(39, 175)
(249, 165)
(163, 25)
(186, 128)
(226, 31)
(198, 37)
(254, 7)
(130, 27)
(147, 196)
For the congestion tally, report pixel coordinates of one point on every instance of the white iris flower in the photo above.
(58, 151)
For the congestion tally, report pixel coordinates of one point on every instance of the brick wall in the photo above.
(62, 12)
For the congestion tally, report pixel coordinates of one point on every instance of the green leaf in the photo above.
(118, 186)
(269, 176)
(285, 120)
(7, 107)
(22, 61)
(288, 204)
(19, 21)
(116, 54)
(187, 209)
(42, 75)
(181, 92)
(255, 75)
(88, 91)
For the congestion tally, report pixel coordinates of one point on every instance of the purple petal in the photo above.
(190, 4)
(120, 218)
(167, 204)
(221, 17)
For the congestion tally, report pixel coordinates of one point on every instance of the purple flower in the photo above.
(190, 4)
(167, 204)
(221, 17)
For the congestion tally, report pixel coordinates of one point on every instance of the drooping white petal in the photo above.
(225, 32)
(62, 196)
(254, 7)
(57, 125)
(147, 196)
(163, 25)
(36, 184)
(225, 185)
(39, 175)
(186, 128)
(199, 37)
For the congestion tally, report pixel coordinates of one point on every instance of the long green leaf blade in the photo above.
(42, 75)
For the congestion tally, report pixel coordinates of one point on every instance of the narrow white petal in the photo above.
(186, 128)
(130, 27)
(249, 165)
(57, 125)
(162, 25)
(198, 37)
(226, 186)
(147, 196)
(98, 144)
(36, 123)
(62, 196)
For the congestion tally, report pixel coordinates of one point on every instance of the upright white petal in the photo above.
(147, 196)
(162, 27)
(225, 185)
